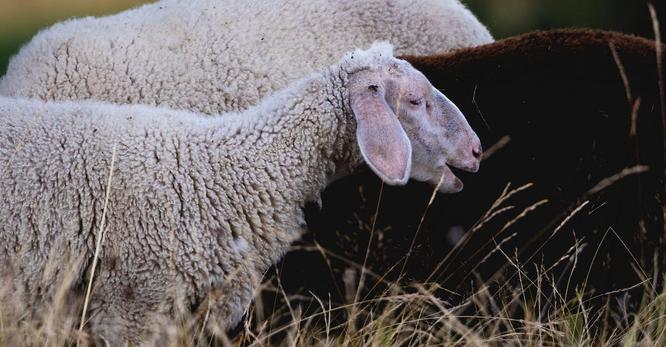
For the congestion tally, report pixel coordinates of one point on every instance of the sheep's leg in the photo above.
(227, 304)
(127, 306)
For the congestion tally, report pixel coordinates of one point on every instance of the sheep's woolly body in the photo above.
(218, 56)
(198, 205)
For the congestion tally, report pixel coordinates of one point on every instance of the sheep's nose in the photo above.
(477, 150)
(463, 160)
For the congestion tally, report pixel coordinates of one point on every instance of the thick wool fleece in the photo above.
(198, 206)
(217, 56)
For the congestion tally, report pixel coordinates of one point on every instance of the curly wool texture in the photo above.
(217, 56)
(198, 205)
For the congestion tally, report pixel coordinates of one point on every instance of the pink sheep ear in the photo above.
(382, 140)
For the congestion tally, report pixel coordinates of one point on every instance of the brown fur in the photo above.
(559, 97)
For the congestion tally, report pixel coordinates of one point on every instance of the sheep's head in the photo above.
(408, 129)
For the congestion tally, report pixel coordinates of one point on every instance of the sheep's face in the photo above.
(437, 133)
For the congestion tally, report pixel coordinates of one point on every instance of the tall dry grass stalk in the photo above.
(662, 99)
(98, 244)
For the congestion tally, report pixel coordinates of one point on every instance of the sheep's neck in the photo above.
(315, 142)
(283, 153)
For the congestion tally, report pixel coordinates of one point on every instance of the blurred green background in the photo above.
(21, 19)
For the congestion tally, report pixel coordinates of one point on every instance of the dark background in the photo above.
(21, 19)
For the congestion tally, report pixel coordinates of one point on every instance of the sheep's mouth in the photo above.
(458, 172)
(459, 175)
(448, 182)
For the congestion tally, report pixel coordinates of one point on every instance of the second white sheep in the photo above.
(215, 56)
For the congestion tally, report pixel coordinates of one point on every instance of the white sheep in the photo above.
(214, 56)
(199, 205)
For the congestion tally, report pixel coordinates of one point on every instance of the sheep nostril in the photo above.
(476, 152)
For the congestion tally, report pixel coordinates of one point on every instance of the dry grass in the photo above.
(533, 312)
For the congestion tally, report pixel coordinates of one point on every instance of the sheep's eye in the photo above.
(373, 87)
(416, 102)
